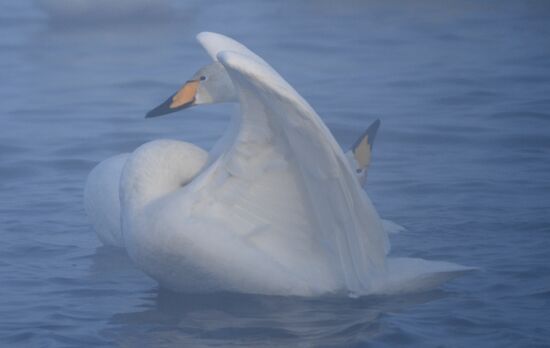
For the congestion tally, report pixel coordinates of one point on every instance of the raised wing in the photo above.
(214, 43)
(277, 120)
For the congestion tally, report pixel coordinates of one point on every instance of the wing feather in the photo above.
(346, 222)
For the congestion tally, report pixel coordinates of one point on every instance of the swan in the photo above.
(275, 208)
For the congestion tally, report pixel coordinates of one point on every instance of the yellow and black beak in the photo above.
(183, 98)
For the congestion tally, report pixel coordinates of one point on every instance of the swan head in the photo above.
(210, 85)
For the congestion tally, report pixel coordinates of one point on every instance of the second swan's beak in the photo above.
(182, 99)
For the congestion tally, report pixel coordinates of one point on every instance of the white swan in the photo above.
(275, 208)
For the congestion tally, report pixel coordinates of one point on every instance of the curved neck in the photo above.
(157, 169)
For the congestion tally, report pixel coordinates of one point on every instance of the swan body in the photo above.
(276, 207)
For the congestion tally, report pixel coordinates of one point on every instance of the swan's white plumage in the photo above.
(275, 208)
(101, 199)
(344, 221)
(214, 43)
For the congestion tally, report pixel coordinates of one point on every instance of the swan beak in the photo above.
(183, 98)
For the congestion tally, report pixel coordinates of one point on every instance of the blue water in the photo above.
(462, 160)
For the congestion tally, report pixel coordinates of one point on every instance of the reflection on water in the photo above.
(250, 320)
(462, 89)
(165, 317)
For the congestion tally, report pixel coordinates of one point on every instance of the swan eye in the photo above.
(202, 78)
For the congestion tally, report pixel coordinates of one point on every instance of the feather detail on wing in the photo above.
(274, 115)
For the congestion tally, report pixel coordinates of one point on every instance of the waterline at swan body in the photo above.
(274, 208)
